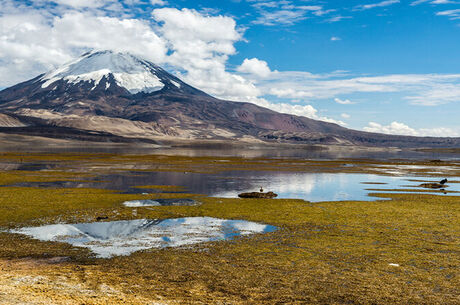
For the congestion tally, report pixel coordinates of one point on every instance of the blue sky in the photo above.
(378, 65)
(397, 38)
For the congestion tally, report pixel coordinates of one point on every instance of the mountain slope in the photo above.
(122, 95)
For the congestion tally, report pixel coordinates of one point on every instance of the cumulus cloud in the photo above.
(393, 128)
(301, 110)
(200, 45)
(32, 42)
(255, 66)
(398, 128)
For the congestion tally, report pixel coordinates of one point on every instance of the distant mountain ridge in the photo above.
(112, 96)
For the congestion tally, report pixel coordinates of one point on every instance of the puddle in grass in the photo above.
(107, 239)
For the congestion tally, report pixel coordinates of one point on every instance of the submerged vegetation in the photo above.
(404, 250)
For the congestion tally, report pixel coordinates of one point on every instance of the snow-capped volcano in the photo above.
(113, 96)
(127, 71)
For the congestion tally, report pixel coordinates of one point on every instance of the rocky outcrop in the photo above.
(260, 195)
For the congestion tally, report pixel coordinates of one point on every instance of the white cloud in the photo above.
(417, 2)
(379, 4)
(337, 18)
(32, 42)
(452, 14)
(432, 2)
(442, 2)
(301, 110)
(437, 95)
(345, 115)
(184, 26)
(273, 13)
(402, 129)
(335, 38)
(200, 46)
(255, 66)
(291, 93)
(265, 4)
(158, 2)
(419, 89)
(343, 102)
(286, 17)
(393, 128)
(82, 3)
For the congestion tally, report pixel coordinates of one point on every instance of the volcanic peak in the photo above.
(128, 71)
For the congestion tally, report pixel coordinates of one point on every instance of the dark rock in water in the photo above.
(431, 185)
(434, 185)
(268, 195)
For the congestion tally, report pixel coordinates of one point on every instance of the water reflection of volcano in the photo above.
(107, 239)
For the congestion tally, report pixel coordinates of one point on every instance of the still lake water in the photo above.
(308, 186)
(312, 187)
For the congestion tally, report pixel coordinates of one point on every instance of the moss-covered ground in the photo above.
(400, 251)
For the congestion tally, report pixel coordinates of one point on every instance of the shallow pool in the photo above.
(107, 239)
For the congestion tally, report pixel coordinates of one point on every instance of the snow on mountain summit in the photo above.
(130, 72)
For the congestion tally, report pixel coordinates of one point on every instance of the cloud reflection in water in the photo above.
(107, 239)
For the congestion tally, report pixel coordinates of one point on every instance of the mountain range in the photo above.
(109, 96)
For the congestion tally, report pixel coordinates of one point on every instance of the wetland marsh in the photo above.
(388, 241)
